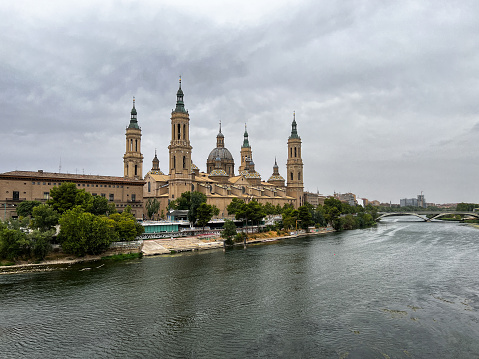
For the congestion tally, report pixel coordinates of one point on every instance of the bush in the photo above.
(84, 233)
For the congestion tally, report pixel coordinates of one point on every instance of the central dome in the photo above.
(221, 152)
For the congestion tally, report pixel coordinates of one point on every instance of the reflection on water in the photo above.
(402, 290)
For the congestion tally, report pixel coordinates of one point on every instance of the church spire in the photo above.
(133, 119)
(294, 131)
(245, 141)
(220, 139)
(180, 105)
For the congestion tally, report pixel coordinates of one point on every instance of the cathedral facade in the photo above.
(220, 183)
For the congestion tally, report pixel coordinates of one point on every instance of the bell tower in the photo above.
(133, 159)
(180, 149)
(294, 167)
(246, 152)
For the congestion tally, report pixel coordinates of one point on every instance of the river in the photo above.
(401, 290)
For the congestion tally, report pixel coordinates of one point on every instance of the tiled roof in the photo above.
(156, 172)
(219, 172)
(276, 178)
(247, 174)
(68, 177)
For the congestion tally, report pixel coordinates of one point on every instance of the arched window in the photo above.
(179, 131)
(136, 170)
(136, 145)
(149, 186)
(299, 176)
(174, 161)
(295, 155)
(291, 152)
(131, 145)
(291, 176)
(184, 132)
(184, 162)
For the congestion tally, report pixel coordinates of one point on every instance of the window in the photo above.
(295, 152)
(299, 176)
(291, 176)
(46, 195)
(112, 197)
(149, 186)
(184, 132)
(16, 195)
(33, 182)
(179, 131)
(94, 194)
(103, 195)
(133, 197)
(136, 170)
(184, 162)
(291, 152)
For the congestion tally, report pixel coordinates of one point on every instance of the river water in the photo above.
(401, 290)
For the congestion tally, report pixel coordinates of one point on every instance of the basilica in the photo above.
(220, 183)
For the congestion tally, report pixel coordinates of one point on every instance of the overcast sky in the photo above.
(386, 93)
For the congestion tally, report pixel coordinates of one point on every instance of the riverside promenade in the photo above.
(152, 247)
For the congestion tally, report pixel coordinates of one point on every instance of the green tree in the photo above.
(197, 199)
(152, 206)
(204, 213)
(304, 215)
(290, 216)
(229, 231)
(25, 208)
(126, 226)
(67, 196)
(466, 207)
(234, 206)
(189, 201)
(44, 218)
(98, 205)
(14, 244)
(41, 243)
(269, 209)
(348, 222)
(256, 211)
(84, 233)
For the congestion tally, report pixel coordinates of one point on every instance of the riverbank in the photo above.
(153, 247)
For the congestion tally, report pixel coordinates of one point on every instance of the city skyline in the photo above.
(385, 94)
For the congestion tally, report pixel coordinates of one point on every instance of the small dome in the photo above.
(221, 153)
(276, 178)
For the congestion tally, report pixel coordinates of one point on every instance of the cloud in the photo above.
(383, 92)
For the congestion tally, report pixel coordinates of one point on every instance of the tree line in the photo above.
(334, 213)
(81, 223)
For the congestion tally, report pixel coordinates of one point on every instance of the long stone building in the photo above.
(220, 182)
(18, 186)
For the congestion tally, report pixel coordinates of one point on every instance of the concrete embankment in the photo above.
(153, 247)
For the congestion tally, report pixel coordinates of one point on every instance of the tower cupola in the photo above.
(245, 140)
(133, 119)
(180, 105)
(294, 131)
